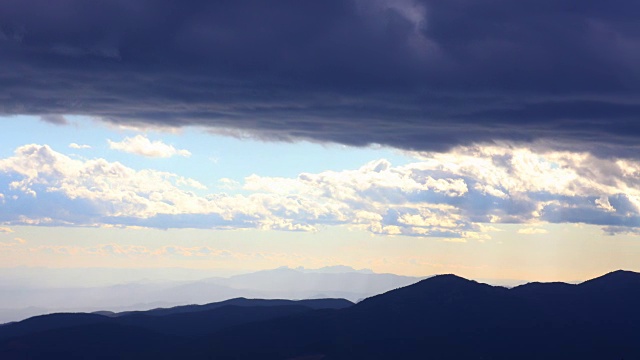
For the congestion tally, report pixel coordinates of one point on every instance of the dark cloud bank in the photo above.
(422, 75)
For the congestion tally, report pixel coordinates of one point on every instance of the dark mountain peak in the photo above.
(438, 288)
(615, 279)
(621, 274)
(448, 278)
(447, 281)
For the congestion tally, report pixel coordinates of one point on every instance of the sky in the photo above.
(491, 139)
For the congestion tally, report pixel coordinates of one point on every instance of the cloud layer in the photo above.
(422, 75)
(454, 195)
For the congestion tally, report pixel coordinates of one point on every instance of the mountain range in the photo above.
(442, 317)
(20, 302)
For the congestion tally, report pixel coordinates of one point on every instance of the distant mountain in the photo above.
(336, 281)
(443, 317)
(300, 283)
(335, 269)
(83, 299)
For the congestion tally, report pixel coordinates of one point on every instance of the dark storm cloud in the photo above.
(54, 119)
(410, 74)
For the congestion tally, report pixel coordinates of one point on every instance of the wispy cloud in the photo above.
(79, 146)
(139, 251)
(141, 145)
(532, 231)
(5, 230)
(16, 241)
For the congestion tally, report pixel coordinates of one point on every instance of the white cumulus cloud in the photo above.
(79, 146)
(453, 195)
(141, 145)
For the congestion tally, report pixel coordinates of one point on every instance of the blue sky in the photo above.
(213, 156)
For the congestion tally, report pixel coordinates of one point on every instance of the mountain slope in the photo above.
(90, 341)
(244, 302)
(444, 317)
(447, 317)
(49, 322)
(189, 320)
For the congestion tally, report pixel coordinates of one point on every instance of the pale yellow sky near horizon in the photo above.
(551, 252)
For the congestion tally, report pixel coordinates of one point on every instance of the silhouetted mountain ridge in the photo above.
(442, 317)
(241, 302)
(449, 317)
(617, 280)
(190, 320)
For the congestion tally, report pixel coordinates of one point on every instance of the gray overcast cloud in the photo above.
(424, 75)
